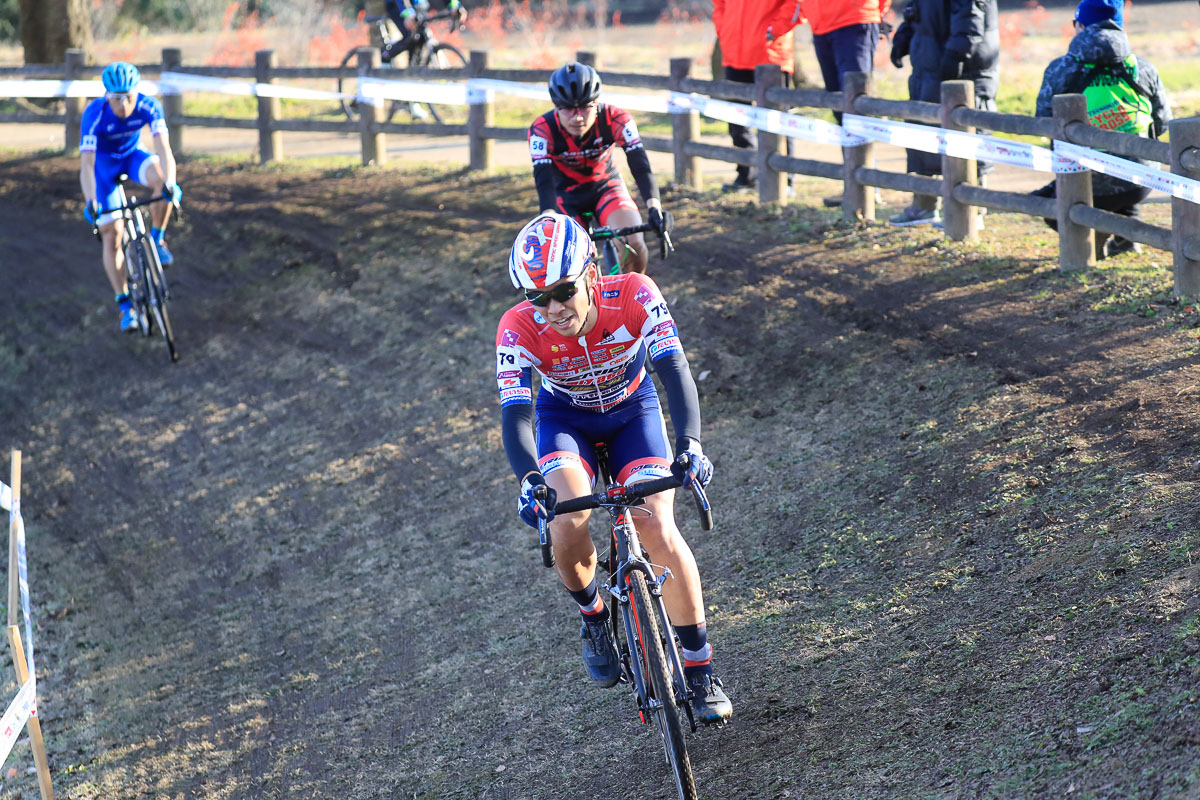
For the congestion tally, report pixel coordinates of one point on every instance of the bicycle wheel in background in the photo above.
(658, 676)
(442, 56)
(348, 84)
(157, 294)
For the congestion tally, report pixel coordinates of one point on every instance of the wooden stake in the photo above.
(37, 744)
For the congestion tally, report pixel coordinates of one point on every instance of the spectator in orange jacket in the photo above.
(845, 33)
(753, 32)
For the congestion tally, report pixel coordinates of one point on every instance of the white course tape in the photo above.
(959, 144)
(175, 82)
(793, 125)
(1139, 174)
(14, 719)
(48, 88)
(376, 90)
(23, 586)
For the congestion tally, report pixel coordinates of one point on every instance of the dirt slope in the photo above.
(955, 491)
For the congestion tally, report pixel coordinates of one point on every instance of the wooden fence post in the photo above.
(1185, 215)
(172, 104)
(374, 143)
(772, 184)
(480, 116)
(959, 221)
(72, 61)
(20, 662)
(858, 200)
(685, 128)
(1076, 243)
(270, 141)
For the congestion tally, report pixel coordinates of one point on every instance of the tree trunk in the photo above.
(50, 27)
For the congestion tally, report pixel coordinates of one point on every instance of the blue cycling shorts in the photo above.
(633, 430)
(136, 165)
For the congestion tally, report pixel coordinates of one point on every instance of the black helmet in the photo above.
(574, 85)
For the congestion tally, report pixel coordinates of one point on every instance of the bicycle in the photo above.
(645, 639)
(143, 271)
(422, 50)
(607, 240)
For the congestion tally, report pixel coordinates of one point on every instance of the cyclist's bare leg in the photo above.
(574, 553)
(114, 258)
(666, 547)
(160, 212)
(627, 218)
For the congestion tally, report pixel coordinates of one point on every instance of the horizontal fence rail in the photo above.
(937, 126)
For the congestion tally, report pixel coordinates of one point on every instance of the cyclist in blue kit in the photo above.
(110, 146)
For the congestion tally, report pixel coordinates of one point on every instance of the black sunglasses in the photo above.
(562, 293)
(585, 107)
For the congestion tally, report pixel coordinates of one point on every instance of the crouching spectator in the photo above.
(1124, 93)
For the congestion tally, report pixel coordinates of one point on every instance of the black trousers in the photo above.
(742, 136)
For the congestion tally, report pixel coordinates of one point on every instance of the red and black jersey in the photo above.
(563, 164)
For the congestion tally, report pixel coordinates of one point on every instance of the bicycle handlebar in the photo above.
(131, 206)
(664, 238)
(629, 495)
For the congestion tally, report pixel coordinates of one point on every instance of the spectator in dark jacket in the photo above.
(1136, 102)
(945, 40)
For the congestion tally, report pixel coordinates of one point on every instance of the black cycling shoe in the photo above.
(709, 703)
(599, 654)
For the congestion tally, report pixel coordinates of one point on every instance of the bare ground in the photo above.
(956, 497)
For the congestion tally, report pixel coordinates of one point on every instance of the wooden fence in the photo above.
(958, 187)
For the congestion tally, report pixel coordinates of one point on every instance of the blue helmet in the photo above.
(120, 76)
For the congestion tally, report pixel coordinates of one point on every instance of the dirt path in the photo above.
(955, 494)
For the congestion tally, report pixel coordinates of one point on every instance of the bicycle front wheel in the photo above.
(348, 84)
(444, 56)
(156, 295)
(135, 279)
(649, 648)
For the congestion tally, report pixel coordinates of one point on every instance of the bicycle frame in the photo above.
(606, 237)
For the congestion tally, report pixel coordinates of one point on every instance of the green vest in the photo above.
(1115, 101)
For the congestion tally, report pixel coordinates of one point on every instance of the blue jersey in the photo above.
(105, 133)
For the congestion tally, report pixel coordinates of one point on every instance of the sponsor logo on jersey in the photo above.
(606, 338)
(609, 294)
(509, 373)
(510, 382)
(509, 338)
(643, 295)
(538, 318)
(514, 394)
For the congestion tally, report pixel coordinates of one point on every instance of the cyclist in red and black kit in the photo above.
(573, 168)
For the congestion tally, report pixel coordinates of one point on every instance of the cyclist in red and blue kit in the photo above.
(573, 168)
(110, 146)
(589, 337)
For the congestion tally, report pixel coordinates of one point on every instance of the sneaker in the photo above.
(832, 201)
(129, 319)
(1118, 245)
(709, 703)
(164, 255)
(739, 184)
(915, 216)
(418, 111)
(940, 224)
(599, 654)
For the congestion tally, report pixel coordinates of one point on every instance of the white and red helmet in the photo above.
(550, 248)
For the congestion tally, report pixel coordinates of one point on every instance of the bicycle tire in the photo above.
(445, 56)
(349, 104)
(649, 649)
(612, 261)
(135, 281)
(156, 290)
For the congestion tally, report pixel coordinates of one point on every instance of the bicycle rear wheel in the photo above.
(649, 649)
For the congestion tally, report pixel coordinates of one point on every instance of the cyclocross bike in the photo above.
(422, 50)
(644, 638)
(612, 245)
(143, 271)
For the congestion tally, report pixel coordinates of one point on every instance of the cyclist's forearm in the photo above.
(162, 145)
(516, 426)
(682, 398)
(643, 175)
(543, 179)
(87, 175)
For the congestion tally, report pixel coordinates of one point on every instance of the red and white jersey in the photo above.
(596, 371)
